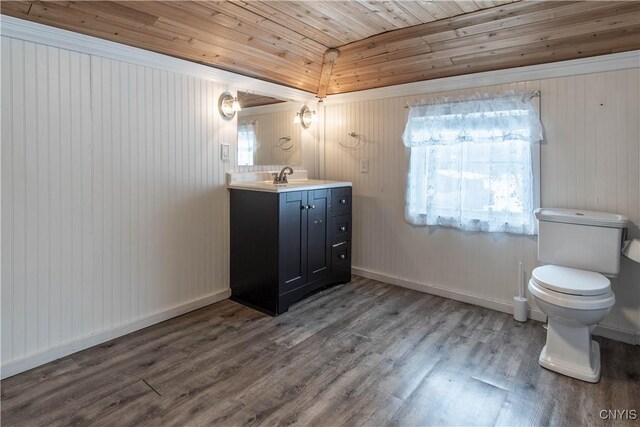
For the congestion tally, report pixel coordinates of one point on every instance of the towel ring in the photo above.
(283, 140)
(353, 147)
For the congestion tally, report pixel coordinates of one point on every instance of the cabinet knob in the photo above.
(343, 228)
(342, 256)
(343, 201)
(312, 206)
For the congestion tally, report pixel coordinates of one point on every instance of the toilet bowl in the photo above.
(574, 301)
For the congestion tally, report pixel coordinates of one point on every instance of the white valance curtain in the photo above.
(471, 165)
(481, 119)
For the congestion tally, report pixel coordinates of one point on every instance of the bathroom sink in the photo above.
(292, 185)
(263, 181)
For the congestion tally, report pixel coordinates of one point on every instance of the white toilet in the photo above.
(579, 248)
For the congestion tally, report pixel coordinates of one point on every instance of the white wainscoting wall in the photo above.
(589, 160)
(114, 205)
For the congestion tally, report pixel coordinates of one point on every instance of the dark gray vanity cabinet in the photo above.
(287, 245)
(303, 240)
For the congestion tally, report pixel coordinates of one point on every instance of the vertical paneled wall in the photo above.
(113, 199)
(589, 160)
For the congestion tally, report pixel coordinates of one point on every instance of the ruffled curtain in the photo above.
(479, 119)
(471, 164)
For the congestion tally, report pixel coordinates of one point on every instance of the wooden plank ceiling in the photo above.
(380, 43)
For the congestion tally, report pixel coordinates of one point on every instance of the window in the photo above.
(471, 164)
(246, 143)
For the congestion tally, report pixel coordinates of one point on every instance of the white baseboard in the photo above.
(617, 334)
(505, 307)
(16, 366)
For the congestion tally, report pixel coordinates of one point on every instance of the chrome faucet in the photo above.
(281, 178)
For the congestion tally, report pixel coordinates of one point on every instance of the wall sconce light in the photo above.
(305, 117)
(228, 105)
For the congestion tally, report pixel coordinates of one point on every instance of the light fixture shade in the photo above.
(306, 117)
(235, 106)
(296, 119)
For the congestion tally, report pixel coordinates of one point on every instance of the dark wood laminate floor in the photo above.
(365, 353)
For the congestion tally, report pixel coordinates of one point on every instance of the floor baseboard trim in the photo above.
(17, 366)
(505, 307)
(617, 334)
(446, 293)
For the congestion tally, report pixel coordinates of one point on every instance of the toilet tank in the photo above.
(586, 240)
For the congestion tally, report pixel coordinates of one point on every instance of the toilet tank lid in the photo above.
(578, 216)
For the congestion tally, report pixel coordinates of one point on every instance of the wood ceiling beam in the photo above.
(325, 76)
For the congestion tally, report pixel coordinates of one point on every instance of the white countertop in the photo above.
(293, 185)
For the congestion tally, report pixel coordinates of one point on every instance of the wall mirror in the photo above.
(267, 134)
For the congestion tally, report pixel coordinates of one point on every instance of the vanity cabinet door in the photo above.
(292, 245)
(318, 236)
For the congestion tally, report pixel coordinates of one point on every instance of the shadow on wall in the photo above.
(190, 246)
(483, 264)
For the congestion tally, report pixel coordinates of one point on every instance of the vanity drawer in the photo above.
(340, 228)
(341, 201)
(341, 261)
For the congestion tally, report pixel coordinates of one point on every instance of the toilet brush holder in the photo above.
(520, 309)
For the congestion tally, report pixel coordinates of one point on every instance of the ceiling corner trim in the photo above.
(51, 36)
(594, 64)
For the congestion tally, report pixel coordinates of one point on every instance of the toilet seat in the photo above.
(571, 281)
(578, 302)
